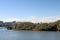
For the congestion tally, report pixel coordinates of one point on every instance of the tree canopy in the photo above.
(53, 26)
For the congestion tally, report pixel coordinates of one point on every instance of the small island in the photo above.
(52, 26)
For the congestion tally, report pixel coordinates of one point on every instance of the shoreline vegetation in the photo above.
(29, 26)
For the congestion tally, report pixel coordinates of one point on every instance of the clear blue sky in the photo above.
(27, 8)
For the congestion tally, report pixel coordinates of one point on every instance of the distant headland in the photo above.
(52, 26)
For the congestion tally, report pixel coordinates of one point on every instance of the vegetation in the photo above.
(25, 26)
(54, 26)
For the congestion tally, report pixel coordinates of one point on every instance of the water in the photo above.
(28, 35)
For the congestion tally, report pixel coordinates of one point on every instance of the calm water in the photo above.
(28, 35)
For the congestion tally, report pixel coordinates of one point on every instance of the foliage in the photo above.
(25, 26)
(53, 26)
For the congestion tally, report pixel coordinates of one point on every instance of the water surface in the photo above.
(28, 35)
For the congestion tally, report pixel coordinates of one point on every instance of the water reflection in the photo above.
(28, 35)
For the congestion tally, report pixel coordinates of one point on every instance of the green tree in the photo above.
(58, 24)
(25, 26)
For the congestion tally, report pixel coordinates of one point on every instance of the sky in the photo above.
(29, 10)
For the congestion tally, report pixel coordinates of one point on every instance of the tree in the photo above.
(58, 24)
(25, 26)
